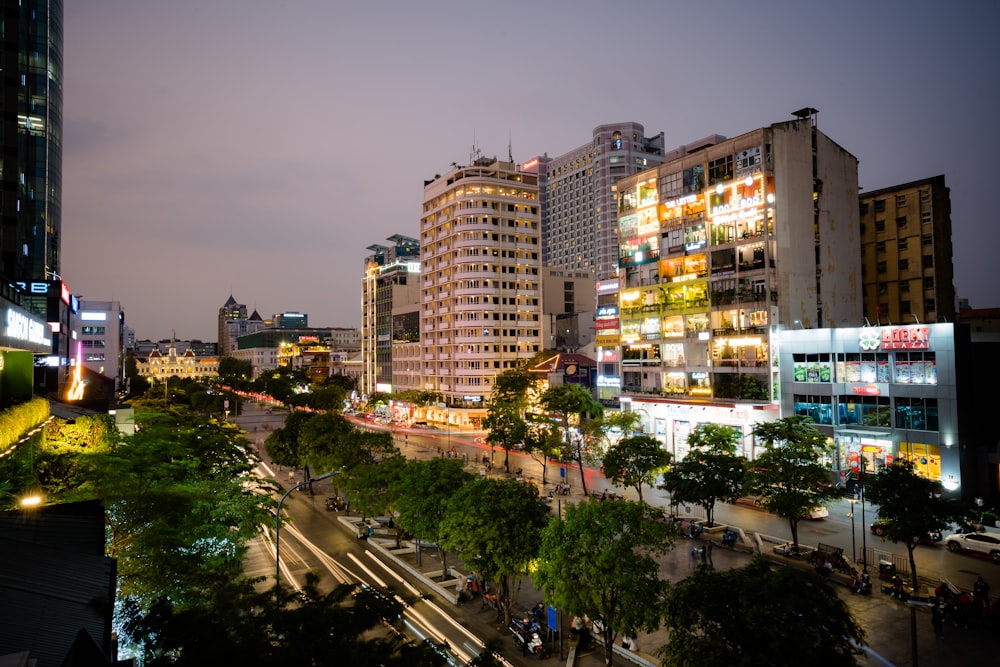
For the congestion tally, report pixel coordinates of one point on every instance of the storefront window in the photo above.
(812, 367)
(915, 368)
(817, 408)
(918, 414)
(865, 367)
(926, 458)
(864, 410)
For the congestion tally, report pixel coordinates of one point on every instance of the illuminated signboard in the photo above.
(906, 338)
(649, 223)
(604, 286)
(604, 325)
(607, 311)
(609, 381)
(18, 326)
(867, 390)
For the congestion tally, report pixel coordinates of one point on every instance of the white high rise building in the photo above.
(481, 302)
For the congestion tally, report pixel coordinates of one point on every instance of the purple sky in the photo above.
(257, 147)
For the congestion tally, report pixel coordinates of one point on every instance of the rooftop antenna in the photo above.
(867, 323)
(510, 151)
(915, 318)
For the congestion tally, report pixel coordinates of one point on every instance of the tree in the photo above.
(180, 504)
(283, 444)
(710, 472)
(747, 616)
(635, 461)
(601, 561)
(542, 442)
(617, 425)
(425, 487)
(788, 476)
(505, 410)
(232, 369)
(495, 525)
(576, 406)
(909, 506)
(235, 623)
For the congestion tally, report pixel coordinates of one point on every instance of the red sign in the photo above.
(867, 390)
(906, 338)
(601, 325)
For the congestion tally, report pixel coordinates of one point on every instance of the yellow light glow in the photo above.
(30, 501)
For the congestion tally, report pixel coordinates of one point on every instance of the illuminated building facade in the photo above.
(390, 305)
(480, 288)
(100, 332)
(884, 393)
(906, 252)
(720, 247)
(576, 193)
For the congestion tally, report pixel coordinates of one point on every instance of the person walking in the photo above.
(708, 553)
(937, 619)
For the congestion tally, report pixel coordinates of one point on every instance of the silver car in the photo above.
(987, 544)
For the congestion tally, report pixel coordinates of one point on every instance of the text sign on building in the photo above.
(18, 326)
(915, 337)
(906, 338)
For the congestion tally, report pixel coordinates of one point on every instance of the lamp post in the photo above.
(277, 524)
(854, 544)
(861, 484)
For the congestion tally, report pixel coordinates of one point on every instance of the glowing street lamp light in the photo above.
(277, 523)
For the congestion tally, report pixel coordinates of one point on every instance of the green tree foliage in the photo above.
(54, 462)
(495, 525)
(373, 487)
(504, 426)
(576, 406)
(788, 476)
(614, 426)
(425, 487)
(710, 472)
(542, 442)
(284, 445)
(601, 561)
(235, 624)
(909, 506)
(232, 369)
(329, 397)
(757, 615)
(180, 504)
(636, 461)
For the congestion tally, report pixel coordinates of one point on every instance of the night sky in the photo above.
(256, 148)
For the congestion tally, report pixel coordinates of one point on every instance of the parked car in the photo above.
(986, 544)
(930, 537)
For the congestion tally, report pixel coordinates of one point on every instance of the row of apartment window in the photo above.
(92, 343)
(902, 413)
(92, 331)
(926, 261)
(904, 285)
(901, 200)
(926, 218)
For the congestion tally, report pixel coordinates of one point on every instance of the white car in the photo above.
(819, 512)
(987, 544)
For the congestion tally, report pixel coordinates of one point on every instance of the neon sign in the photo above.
(906, 338)
(21, 327)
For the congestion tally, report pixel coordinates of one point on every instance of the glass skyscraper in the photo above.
(31, 34)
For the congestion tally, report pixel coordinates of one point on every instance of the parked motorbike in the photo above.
(527, 637)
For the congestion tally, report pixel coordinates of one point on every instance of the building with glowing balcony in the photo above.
(480, 287)
(721, 246)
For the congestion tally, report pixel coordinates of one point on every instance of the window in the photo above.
(904, 265)
(904, 286)
(904, 307)
(902, 244)
(926, 217)
(929, 283)
(864, 208)
(926, 240)
(864, 410)
(901, 222)
(929, 305)
(880, 247)
(720, 170)
(880, 267)
(917, 414)
(880, 225)
(880, 206)
(900, 200)
(928, 262)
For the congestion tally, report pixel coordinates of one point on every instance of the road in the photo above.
(300, 555)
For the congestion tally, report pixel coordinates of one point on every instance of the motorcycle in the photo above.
(527, 637)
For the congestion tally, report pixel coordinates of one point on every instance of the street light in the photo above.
(277, 523)
(864, 532)
(854, 544)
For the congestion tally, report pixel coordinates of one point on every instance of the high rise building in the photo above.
(906, 251)
(720, 247)
(390, 308)
(100, 333)
(234, 322)
(576, 193)
(480, 286)
(31, 138)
